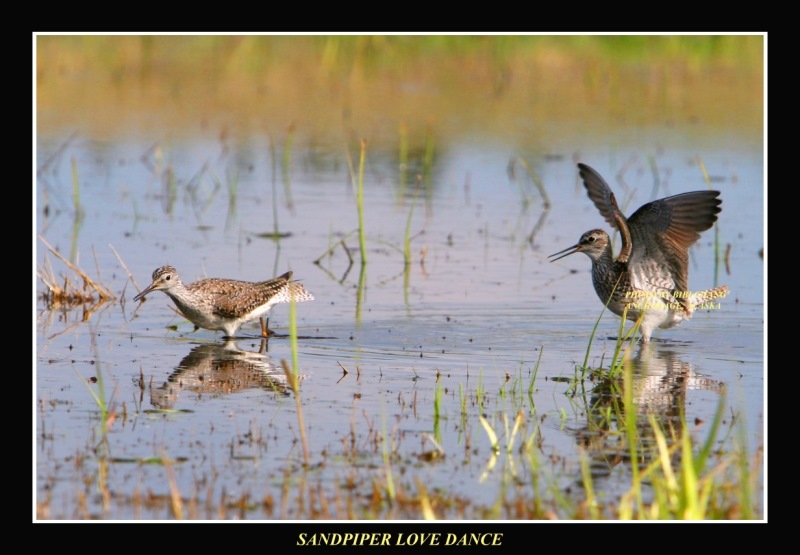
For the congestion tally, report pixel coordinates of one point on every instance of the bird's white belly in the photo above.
(659, 312)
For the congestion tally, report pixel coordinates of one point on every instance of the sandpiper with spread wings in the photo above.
(650, 274)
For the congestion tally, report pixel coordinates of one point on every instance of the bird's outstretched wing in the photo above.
(663, 230)
(605, 201)
(600, 193)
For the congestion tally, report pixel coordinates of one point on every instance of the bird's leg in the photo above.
(265, 331)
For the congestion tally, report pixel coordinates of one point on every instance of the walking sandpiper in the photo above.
(649, 276)
(226, 304)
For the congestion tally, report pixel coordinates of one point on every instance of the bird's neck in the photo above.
(605, 259)
(606, 271)
(181, 295)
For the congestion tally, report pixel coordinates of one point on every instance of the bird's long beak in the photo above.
(141, 295)
(566, 252)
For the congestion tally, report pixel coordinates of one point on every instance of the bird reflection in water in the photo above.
(661, 382)
(220, 369)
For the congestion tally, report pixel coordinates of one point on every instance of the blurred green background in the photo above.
(504, 85)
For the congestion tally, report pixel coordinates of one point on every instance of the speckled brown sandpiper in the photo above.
(650, 274)
(226, 304)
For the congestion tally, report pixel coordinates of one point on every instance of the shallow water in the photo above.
(478, 312)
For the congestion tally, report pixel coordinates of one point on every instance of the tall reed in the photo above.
(362, 239)
(293, 378)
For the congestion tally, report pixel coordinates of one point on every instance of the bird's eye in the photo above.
(591, 239)
(168, 277)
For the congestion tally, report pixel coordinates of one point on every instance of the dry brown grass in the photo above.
(68, 291)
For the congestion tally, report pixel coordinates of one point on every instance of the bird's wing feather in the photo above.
(605, 201)
(233, 299)
(601, 194)
(663, 230)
